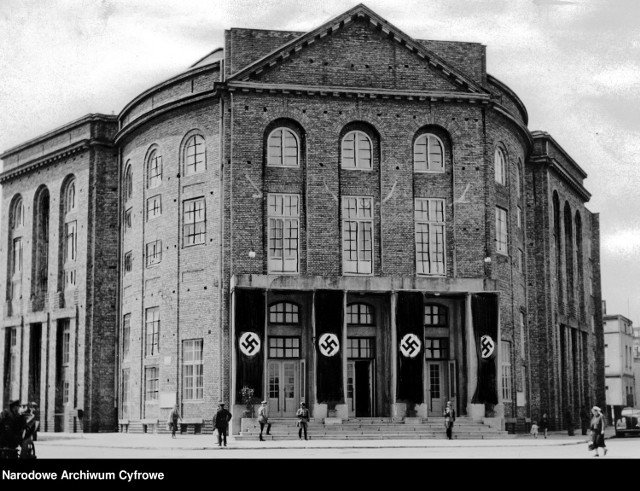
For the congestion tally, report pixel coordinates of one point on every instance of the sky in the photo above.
(574, 64)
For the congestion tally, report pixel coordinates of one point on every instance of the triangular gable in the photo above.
(457, 79)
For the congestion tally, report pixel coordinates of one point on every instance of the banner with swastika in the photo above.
(410, 331)
(328, 309)
(249, 329)
(484, 313)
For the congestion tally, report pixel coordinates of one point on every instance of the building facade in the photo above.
(348, 217)
(619, 364)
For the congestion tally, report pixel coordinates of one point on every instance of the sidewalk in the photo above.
(209, 441)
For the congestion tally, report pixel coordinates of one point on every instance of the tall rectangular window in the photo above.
(128, 262)
(283, 211)
(126, 333)
(192, 370)
(152, 331)
(520, 260)
(153, 252)
(127, 219)
(357, 234)
(151, 385)
(501, 230)
(193, 222)
(154, 178)
(66, 341)
(71, 241)
(125, 393)
(430, 236)
(506, 370)
(13, 362)
(519, 216)
(154, 207)
(17, 256)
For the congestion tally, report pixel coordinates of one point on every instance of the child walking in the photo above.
(534, 429)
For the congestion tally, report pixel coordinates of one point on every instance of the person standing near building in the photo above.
(13, 424)
(221, 424)
(303, 420)
(174, 417)
(544, 424)
(263, 419)
(597, 431)
(449, 418)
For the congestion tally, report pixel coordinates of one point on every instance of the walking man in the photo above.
(449, 418)
(263, 419)
(221, 423)
(174, 417)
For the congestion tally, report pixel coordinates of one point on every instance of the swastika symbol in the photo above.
(410, 345)
(249, 343)
(486, 346)
(329, 344)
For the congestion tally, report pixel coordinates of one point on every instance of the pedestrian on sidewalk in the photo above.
(263, 419)
(544, 424)
(597, 431)
(449, 418)
(221, 424)
(174, 417)
(303, 420)
(534, 429)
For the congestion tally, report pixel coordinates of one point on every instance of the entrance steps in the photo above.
(374, 429)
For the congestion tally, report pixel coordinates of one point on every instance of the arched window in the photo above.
(360, 314)
(17, 216)
(194, 155)
(428, 154)
(128, 182)
(283, 313)
(283, 148)
(154, 170)
(357, 151)
(70, 197)
(500, 167)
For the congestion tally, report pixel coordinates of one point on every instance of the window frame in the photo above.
(199, 234)
(128, 182)
(151, 383)
(362, 265)
(500, 166)
(502, 231)
(422, 227)
(283, 231)
(155, 211)
(126, 336)
(154, 170)
(357, 160)
(155, 258)
(191, 169)
(152, 331)
(282, 157)
(505, 370)
(428, 137)
(193, 383)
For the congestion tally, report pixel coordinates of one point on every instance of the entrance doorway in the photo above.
(437, 384)
(360, 388)
(283, 387)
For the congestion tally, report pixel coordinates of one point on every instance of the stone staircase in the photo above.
(374, 429)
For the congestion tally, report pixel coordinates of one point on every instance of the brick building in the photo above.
(348, 217)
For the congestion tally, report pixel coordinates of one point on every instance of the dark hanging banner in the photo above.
(484, 313)
(329, 349)
(249, 328)
(410, 331)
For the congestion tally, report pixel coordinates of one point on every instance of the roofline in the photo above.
(338, 22)
(62, 129)
(493, 80)
(543, 134)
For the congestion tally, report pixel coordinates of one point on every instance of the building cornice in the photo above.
(554, 165)
(53, 157)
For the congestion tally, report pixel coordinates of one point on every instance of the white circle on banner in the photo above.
(410, 345)
(329, 344)
(487, 346)
(249, 343)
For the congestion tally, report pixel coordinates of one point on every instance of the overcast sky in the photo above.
(574, 64)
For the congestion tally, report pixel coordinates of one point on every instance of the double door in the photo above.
(360, 388)
(284, 387)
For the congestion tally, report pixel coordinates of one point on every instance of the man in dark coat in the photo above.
(221, 423)
(12, 426)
